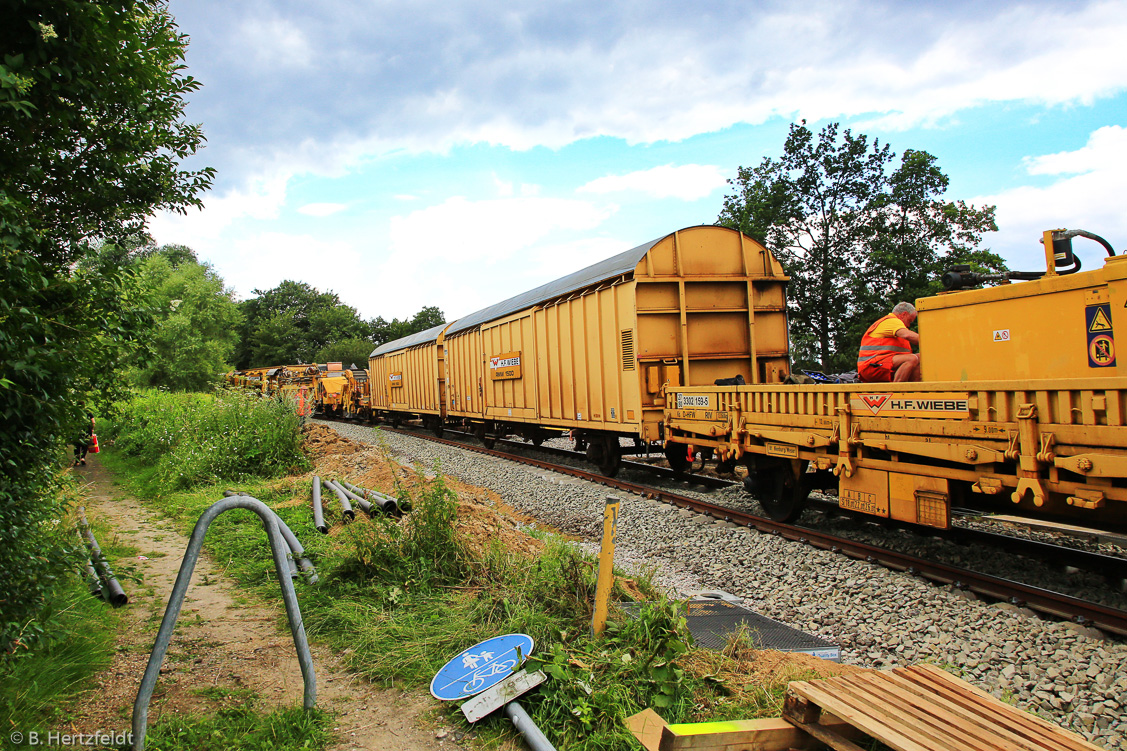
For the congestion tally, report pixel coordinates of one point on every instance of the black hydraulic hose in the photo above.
(386, 503)
(112, 592)
(318, 512)
(346, 511)
(1092, 236)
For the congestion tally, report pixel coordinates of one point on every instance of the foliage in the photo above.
(384, 331)
(192, 439)
(855, 235)
(290, 323)
(417, 554)
(76, 642)
(91, 106)
(45, 318)
(296, 323)
(91, 117)
(195, 321)
(348, 351)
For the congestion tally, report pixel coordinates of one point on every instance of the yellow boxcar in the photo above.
(409, 379)
(591, 351)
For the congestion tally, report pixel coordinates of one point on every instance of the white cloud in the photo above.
(275, 43)
(688, 182)
(1086, 194)
(322, 209)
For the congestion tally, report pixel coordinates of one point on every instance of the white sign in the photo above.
(1002, 335)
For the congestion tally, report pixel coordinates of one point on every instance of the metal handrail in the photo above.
(280, 550)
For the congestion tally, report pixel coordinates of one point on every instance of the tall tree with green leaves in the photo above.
(91, 122)
(854, 233)
(196, 322)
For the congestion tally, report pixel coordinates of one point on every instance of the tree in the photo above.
(854, 235)
(278, 325)
(347, 351)
(384, 332)
(196, 319)
(91, 121)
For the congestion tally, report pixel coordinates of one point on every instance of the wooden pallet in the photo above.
(921, 708)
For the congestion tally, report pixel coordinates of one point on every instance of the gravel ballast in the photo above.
(880, 618)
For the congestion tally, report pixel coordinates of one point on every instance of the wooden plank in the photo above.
(1015, 718)
(775, 734)
(928, 714)
(857, 717)
(829, 737)
(981, 716)
(861, 697)
(1047, 730)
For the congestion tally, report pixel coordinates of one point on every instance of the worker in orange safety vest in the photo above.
(886, 348)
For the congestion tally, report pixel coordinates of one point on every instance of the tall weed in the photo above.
(192, 439)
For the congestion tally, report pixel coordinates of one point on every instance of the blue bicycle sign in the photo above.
(481, 666)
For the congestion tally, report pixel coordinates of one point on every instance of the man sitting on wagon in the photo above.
(886, 348)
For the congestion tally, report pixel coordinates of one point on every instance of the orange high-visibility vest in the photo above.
(875, 349)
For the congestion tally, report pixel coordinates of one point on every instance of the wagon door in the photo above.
(510, 372)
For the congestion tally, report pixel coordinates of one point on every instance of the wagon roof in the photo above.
(422, 337)
(606, 269)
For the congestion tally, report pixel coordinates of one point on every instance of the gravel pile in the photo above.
(881, 619)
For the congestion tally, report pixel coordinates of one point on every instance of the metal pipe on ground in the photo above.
(180, 588)
(386, 503)
(533, 736)
(346, 511)
(360, 500)
(112, 591)
(297, 550)
(297, 557)
(92, 579)
(318, 512)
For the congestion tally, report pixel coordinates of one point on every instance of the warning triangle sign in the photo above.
(1100, 322)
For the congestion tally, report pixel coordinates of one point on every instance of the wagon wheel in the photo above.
(780, 492)
(396, 422)
(677, 454)
(604, 453)
(436, 427)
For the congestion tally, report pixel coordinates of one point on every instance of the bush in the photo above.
(191, 439)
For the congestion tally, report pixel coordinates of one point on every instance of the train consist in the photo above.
(1021, 401)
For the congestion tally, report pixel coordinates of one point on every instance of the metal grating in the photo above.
(933, 509)
(628, 361)
(712, 623)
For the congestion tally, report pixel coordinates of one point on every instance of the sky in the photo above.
(452, 153)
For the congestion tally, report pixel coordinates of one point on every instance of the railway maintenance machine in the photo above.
(1021, 405)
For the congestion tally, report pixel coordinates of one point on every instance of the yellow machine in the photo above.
(329, 384)
(1030, 410)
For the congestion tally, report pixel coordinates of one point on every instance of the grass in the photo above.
(398, 598)
(290, 729)
(36, 688)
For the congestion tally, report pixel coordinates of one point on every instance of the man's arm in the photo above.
(908, 334)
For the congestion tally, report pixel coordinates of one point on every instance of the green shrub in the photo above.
(192, 439)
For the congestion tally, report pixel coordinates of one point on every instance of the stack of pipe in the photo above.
(386, 503)
(318, 512)
(346, 511)
(108, 585)
(298, 560)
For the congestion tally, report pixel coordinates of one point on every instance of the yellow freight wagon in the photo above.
(409, 378)
(591, 352)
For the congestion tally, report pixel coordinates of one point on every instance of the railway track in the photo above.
(1044, 601)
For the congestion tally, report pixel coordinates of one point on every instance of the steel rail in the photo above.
(1041, 600)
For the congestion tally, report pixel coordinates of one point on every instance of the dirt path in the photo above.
(227, 650)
